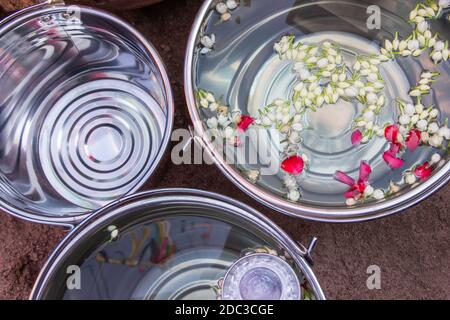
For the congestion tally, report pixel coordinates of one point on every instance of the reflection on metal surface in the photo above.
(245, 71)
(171, 244)
(85, 111)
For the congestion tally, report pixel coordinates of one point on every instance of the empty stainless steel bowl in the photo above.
(85, 112)
(231, 56)
(174, 244)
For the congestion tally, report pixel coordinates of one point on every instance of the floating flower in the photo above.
(357, 188)
(423, 171)
(391, 133)
(246, 121)
(208, 43)
(356, 137)
(293, 165)
(394, 162)
(413, 139)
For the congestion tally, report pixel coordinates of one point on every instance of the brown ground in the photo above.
(412, 249)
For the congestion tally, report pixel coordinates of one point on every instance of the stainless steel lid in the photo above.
(261, 276)
(170, 244)
(86, 112)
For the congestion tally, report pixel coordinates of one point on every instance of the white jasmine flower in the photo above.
(293, 195)
(444, 132)
(378, 194)
(204, 103)
(210, 97)
(290, 182)
(212, 123)
(419, 108)
(304, 74)
(434, 113)
(433, 128)
(213, 106)
(437, 56)
(350, 202)
(413, 45)
(393, 188)
(435, 158)
(372, 77)
(368, 191)
(406, 53)
(422, 125)
(223, 121)
(439, 46)
(322, 62)
(232, 4)
(221, 8)
(361, 124)
(410, 178)
(425, 136)
(410, 110)
(404, 119)
(208, 41)
(436, 141)
(424, 114)
(388, 45)
(423, 26)
(253, 175)
(415, 93)
(414, 119)
(402, 45)
(372, 98)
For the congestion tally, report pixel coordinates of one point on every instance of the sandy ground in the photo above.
(412, 249)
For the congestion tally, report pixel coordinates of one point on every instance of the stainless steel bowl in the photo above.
(86, 112)
(164, 244)
(241, 69)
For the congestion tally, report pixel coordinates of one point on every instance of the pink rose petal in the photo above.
(391, 133)
(392, 160)
(395, 148)
(356, 137)
(293, 165)
(413, 139)
(364, 171)
(351, 193)
(246, 121)
(344, 178)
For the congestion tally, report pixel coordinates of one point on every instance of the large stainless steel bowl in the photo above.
(85, 112)
(241, 68)
(173, 244)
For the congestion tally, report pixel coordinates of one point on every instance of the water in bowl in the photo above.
(244, 69)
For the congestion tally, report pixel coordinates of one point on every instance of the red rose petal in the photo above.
(424, 171)
(293, 165)
(413, 139)
(364, 171)
(391, 133)
(246, 121)
(344, 178)
(392, 160)
(356, 137)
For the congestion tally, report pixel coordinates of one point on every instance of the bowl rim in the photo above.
(45, 8)
(309, 212)
(180, 196)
